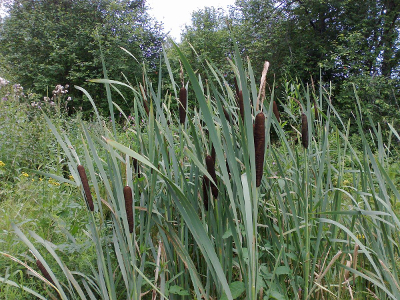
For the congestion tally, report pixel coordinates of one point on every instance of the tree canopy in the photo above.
(47, 42)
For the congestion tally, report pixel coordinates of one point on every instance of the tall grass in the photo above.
(319, 223)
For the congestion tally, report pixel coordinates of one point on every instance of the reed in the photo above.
(86, 188)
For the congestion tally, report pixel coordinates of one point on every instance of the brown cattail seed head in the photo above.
(128, 206)
(136, 167)
(236, 87)
(86, 188)
(206, 184)
(259, 146)
(276, 112)
(211, 170)
(213, 154)
(226, 115)
(304, 130)
(241, 105)
(182, 105)
(146, 106)
(44, 271)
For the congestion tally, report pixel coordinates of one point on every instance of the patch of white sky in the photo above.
(175, 14)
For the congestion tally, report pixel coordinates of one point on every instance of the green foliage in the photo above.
(322, 224)
(46, 43)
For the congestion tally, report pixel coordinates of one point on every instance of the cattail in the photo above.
(236, 87)
(241, 106)
(86, 189)
(276, 112)
(211, 170)
(136, 167)
(44, 271)
(206, 184)
(226, 114)
(128, 206)
(213, 154)
(146, 106)
(182, 105)
(259, 145)
(304, 130)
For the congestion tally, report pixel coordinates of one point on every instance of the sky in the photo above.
(176, 13)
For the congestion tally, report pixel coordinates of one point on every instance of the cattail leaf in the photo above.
(241, 105)
(182, 105)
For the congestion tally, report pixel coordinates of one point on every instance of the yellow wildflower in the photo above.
(71, 177)
(2, 164)
(25, 174)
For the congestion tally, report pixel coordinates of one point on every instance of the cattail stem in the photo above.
(182, 105)
(44, 271)
(206, 185)
(304, 130)
(128, 206)
(211, 170)
(86, 188)
(259, 146)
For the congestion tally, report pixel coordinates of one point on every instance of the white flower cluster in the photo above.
(3, 82)
(60, 90)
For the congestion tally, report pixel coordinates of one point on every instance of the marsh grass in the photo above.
(320, 224)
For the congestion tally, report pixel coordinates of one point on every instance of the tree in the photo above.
(51, 42)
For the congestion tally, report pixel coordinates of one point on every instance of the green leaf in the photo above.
(177, 290)
(237, 288)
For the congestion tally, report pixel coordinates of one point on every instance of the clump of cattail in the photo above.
(259, 145)
(211, 170)
(206, 184)
(241, 105)
(276, 111)
(182, 105)
(304, 130)
(128, 206)
(86, 188)
(44, 271)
